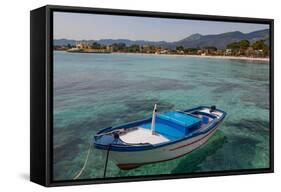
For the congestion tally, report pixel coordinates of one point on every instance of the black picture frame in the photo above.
(41, 99)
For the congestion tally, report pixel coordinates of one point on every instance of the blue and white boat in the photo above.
(162, 137)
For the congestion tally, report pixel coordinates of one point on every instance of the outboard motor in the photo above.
(213, 108)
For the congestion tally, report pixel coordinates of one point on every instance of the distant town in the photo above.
(257, 49)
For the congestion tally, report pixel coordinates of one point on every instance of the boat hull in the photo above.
(130, 147)
(133, 159)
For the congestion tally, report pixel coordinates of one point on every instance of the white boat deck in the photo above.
(142, 136)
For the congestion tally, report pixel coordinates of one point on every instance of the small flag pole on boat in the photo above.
(153, 119)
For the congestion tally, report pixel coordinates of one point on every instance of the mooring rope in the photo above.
(85, 163)
(106, 160)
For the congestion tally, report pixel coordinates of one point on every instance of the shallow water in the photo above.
(93, 91)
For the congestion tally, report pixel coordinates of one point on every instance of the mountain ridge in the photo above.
(192, 41)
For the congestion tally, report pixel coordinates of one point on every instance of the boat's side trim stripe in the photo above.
(134, 165)
(193, 141)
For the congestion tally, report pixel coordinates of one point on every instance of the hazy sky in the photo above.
(81, 26)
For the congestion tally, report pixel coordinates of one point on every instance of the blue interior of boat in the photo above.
(174, 125)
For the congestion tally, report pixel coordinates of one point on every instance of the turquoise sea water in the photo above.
(93, 91)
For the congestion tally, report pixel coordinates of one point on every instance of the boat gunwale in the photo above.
(126, 148)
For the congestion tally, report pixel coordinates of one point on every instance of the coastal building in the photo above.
(180, 52)
(228, 52)
(164, 51)
(145, 49)
(109, 48)
(81, 45)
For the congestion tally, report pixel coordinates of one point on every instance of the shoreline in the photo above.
(264, 59)
(236, 57)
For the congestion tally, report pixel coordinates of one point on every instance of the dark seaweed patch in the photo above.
(69, 85)
(260, 97)
(135, 109)
(209, 83)
(222, 86)
(256, 77)
(238, 152)
(225, 88)
(67, 140)
(165, 84)
(252, 125)
(68, 150)
(147, 105)
(111, 86)
(239, 147)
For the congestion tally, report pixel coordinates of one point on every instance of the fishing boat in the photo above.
(161, 137)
